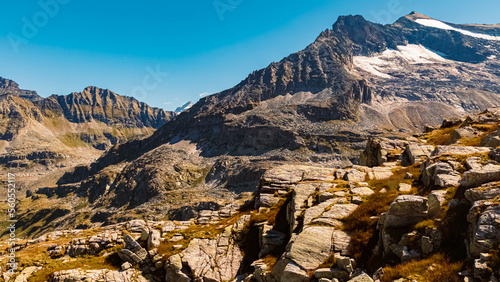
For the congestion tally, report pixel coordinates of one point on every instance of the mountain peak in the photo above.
(96, 91)
(415, 16)
(10, 87)
(184, 107)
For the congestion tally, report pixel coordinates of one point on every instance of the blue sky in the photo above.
(168, 52)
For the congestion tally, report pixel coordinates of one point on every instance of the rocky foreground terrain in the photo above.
(424, 208)
(369, 155)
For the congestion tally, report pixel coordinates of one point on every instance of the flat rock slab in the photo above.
(363, 191)
(312, 247)
(459, 150)
(339, 211)
(479, 176)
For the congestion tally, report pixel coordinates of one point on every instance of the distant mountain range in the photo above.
(94, 119)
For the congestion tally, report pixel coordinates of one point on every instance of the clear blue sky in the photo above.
(205, 46)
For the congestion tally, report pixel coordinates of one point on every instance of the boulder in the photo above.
(294, 273)
(440, 174)
(144, 233)
(484, 192)
(426, 245)
(312, 247)
(493, 142)
(154, 239)
(341, 242)
(316, 211)
(339, 211)
(377, 151)
(270, 239)
(481, 270)
(363, 277)
(406, 210)
(133, 251)
(463, 132)
(476, 177)
(344, 263)
(266, 201)
(363, 191)
(300, 194)
(459, 150)
(451, 122)
(380, 173)
(355, 174)
(473, 163)
(436, 200)
(325, 196)
(404, 187)
(415, 153)
(173, 270)
(325, 273)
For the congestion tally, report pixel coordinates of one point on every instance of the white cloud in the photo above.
(204, 94)
(167, 103)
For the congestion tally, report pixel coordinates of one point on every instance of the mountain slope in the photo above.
(65, 129)
(355, 77)
(319, 105)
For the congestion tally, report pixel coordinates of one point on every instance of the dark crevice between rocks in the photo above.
(251, 242)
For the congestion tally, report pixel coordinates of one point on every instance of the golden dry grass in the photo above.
(167, 248)
(440, 136)
(436, 268)
(37, 254)
(362, 222)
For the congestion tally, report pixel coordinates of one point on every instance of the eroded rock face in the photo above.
(213, 259)
(484, 217)
(484, 235)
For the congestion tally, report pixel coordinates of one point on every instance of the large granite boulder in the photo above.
(406, 210)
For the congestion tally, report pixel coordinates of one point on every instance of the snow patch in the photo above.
(492, 57)
(442, 25)
(184, 107)
(391, 60)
